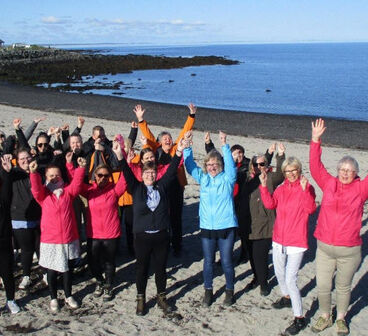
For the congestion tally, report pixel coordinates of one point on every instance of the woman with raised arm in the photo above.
(6, 247)
(217, 214)
(337, 231)
(59, 233)
(151, 224)
(294, 202)
(255, 220)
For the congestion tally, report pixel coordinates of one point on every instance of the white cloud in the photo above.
(53, 20)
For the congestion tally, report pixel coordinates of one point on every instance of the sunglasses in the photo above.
(103, 175)
(262, 164)
(42, 144)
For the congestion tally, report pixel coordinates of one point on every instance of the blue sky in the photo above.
(182, 22)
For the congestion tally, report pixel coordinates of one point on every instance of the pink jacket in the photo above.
(103, 220)
(340, 218)
(293, 206)
(58, 224)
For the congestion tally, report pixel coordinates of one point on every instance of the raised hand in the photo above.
(82, 162)
(280, 149)
(33, 166)
(80, 121)
(139, 112)
(318, 128)
(134, 124)
(37, 120)
(68, 157)
(16, 123)
(98, 145)
(143, 140)
(272, 148)
(263, 178)
(222, 137)
(181, 145)
(117, 150)
(303, 182)
(188, 137)
(57, 152)
(130, 155)
(6, 162)
(51, 130)
(65, 127)
(192, 108)
(207, 138)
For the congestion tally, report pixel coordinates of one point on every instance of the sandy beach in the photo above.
(252, 314)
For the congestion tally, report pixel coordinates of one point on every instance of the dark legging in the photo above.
(6, 270)
(258, 255)
(101, 255)
(29, 242)
(155, 245)
(127, 216)
(67, 281)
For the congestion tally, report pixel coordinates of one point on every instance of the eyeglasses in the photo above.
(42, 144)
(147, 172)
(103, 175)
(211, 164)
(347, 171)
(290, 171)
(262, 164)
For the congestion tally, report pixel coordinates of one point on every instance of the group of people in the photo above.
(47, 190)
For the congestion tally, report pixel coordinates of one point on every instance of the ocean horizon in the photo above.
(317, 79)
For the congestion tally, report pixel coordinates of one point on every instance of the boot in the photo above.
(208, 298)
(229, 297)
(141, 304)
(162, 303)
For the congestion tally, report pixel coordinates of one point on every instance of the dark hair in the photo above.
(237, 147)
(42, 135)
(144, 151)
(51, 166)
(98, 128)
(149, 165)
(103, 166)
(21, 150)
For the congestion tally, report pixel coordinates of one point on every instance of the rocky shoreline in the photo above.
(47, 65)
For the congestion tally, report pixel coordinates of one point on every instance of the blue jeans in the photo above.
(226, 254)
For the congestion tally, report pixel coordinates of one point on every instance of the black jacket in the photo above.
(143, 218)
(5, 218)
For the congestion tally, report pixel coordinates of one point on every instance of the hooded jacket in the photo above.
(216, 206)
(293, 206)
(340, 219)
(58, 223)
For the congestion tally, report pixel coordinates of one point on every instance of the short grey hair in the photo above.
(349, 160)
(159, 137)
(213, 154)
(291, 161)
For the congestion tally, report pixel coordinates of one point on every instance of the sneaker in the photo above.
(54, 305)
(208, 298)
(44, 279)
(297, 325)
(141, 305)
(25, 283)
(322, 324)
(162, 303)
(107, 295)
(341, 327)
(98, 290)
(71, 302)
(283, 302)
(12, 307)
(229, 297)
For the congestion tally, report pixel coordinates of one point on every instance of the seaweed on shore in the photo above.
(70, 67)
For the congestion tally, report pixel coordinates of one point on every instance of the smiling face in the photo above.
(260, 165)
(42, 144)
(238, 155)
(148, 157)
(53, 175)
(292, 173)
(166, 142)
(149, 177)
(75, 143)
(213, 167)
(23, 160)
(346, 173)
(102, 176)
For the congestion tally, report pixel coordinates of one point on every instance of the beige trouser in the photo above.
(345, 261)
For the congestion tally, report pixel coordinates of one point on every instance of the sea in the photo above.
(314, 79)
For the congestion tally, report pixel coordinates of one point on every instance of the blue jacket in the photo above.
(216, 206)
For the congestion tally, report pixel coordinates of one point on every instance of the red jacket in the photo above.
(340, 218)
(58, 224)
(137, 170)
(103, 220)
(293, 206)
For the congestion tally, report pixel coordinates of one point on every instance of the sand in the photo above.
(252, 314)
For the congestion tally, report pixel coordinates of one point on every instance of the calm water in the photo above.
(329, 79)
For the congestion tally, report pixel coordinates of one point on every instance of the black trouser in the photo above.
(155, 245)
(67, 281)
(127, 217)
(29, 242)
(101, 255)
(258, 256)
(6, 270)
(80, 211)
(176, 201)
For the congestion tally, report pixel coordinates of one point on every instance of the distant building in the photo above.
(21, 45)
(1, 43)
